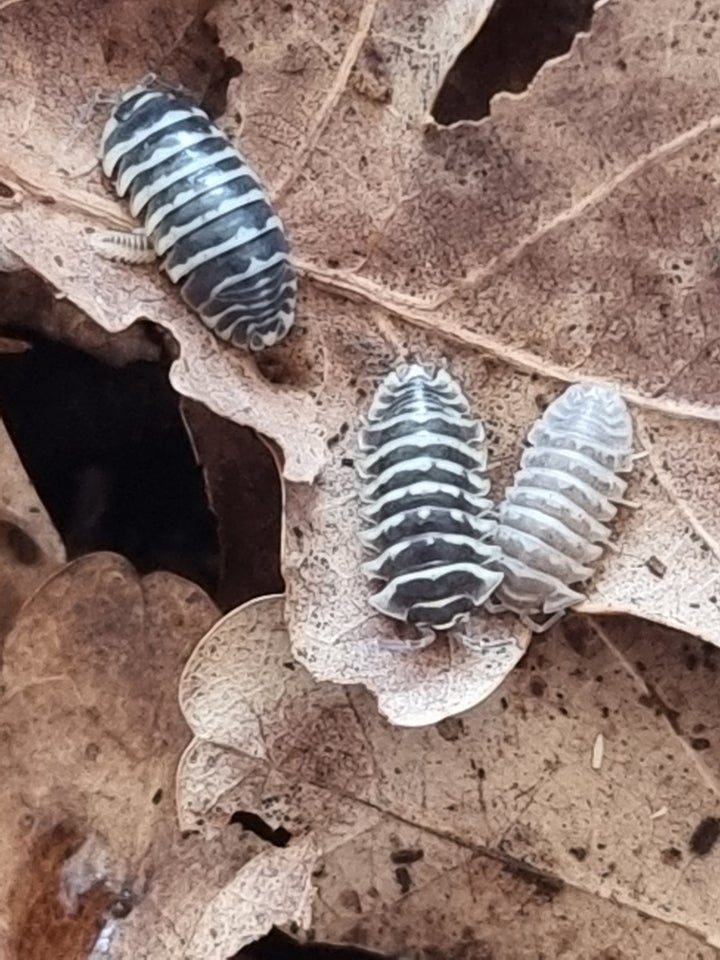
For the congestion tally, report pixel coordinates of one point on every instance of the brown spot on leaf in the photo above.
(656, 567)
(350, 900)
(43, 927)
(671, 856)
(705, 836)
(370, 77)
(407, 855)
(403, 878)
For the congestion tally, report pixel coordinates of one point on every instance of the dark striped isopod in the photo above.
(423, 479)
(205, 213)
(552, 522)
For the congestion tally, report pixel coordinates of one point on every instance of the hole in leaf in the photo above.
(514, 42)
(200, 65)
(277, 945)
(278, 837)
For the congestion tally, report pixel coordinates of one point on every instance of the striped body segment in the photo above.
(553, 521)
(205, 213)
(424, 508)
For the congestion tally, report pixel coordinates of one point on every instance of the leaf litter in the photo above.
(93, 734)
(569, 236)
(502, 830)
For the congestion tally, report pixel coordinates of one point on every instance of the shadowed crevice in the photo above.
(108, 454)
(277, 945)
(512, 45)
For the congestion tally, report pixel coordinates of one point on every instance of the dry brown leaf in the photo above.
(30, 546)
(464, 836)
(21, 506)
(244, 491)
(568, 236)
(28, 304)
(210, 898)
(91, 734)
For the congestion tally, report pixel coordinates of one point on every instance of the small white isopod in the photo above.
(552, 524)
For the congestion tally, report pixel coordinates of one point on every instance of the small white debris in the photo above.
(662, 812)
(598, 751)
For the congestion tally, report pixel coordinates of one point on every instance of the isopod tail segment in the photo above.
(553, 523)
(205, 213)
(123, 246)
(425, 513)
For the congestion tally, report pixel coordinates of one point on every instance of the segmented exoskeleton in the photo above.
(204, 211)
(422, 469)
(552, 522)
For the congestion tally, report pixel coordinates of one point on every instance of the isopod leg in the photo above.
(479, 645)
(425, 637)
(495, 606)
(535, 627)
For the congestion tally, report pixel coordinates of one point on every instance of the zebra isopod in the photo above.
(205, 213)
(552, 524)
(425, 514)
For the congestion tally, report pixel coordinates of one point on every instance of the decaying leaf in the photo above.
(568, 236)
(91, 733)
(30, 547)
(28, 304)
(91, 851)
(210, 898)
(21, 506)
(488, 832)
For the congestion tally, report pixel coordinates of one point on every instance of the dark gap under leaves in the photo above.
(245, 493)
(109, 456)
(511, 46)
(104, 439)
(277, 945)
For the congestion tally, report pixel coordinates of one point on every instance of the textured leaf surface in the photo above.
(91, 852)
(505, 830)
(92, 732)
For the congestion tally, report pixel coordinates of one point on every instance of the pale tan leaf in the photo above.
(508, 807)
(230, 680)
(273, 889)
